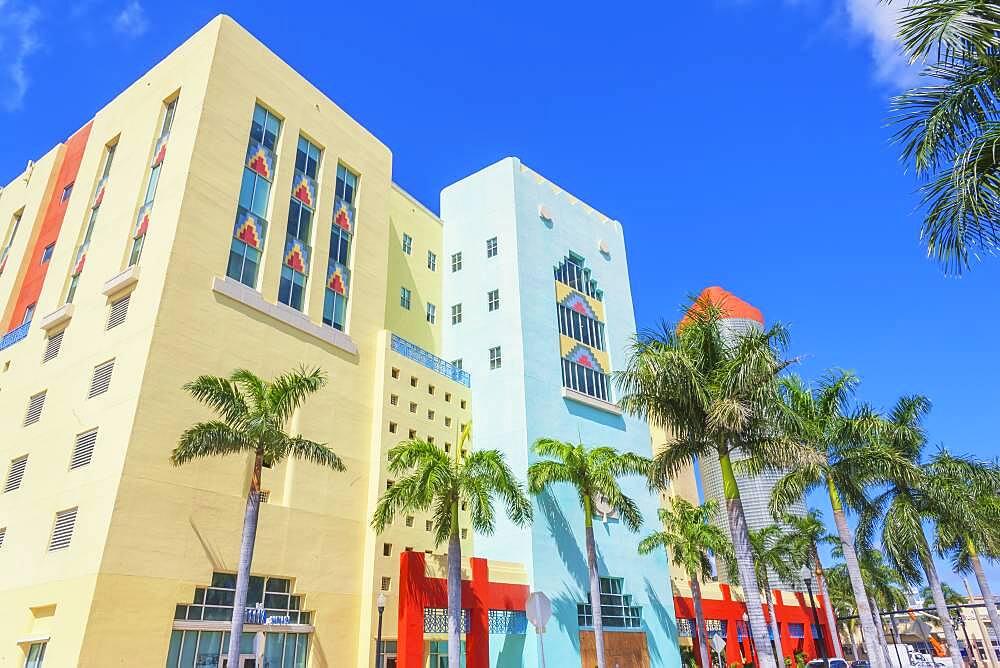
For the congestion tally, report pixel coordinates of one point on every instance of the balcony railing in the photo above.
(14, 335)
(432, 362)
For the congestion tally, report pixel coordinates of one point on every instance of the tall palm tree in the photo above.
(842, 461)
(886, 587)
(594, 473)
(968, 518)
(810, 532)
(714, 385)
(689, 536)
(252, 413)
(842, 601)
(906, 502)
(774, 551)
(430, 479)
(949, 127)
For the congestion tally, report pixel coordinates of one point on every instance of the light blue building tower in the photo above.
(539, 310)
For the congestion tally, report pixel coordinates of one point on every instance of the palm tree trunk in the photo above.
(934, 582)
(868, 630)
(246, 557)
(744, 563)
(854, 645)
(454, 591)
(831, 620)
(595, 583)
(877, 618)
(775, 632)
(986, 593)
(701, 630)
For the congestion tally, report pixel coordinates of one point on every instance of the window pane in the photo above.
(262, 189)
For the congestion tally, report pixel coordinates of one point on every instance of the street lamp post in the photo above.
(380, 602)
(806, 576)
(971, 658)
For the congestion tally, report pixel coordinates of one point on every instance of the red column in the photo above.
(410, 634)
(477, 640)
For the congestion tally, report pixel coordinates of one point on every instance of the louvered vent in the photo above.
(52, 346)
(83, 452)
(102, 379)
(119, 310)
(62, 532)
(35, 404)
(3, 534)
(15, 474)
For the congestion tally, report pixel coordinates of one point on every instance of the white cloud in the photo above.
(18, 40)
(876, 22)
(132, 21)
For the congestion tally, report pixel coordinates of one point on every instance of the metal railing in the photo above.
(432, 362)
(14, 335)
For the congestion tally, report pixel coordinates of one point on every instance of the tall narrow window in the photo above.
(155, 165)
(407, 243)
(431, 313)
(432, 261)
(456, 261)
(302, 206)
(456, 314)
(80, 258)
(493, 300)
(255, 194)
(495, 360)
(338, 273)
(9, 239)
(491, 247)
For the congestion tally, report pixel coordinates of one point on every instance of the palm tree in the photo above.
(252, 416)
(948, 129)
(689, 536)
(951, 597)
(594, 473)
(886, 587)
(968, 522)
(714, 386)
(428, 479)
(842, 462)
(842, 601)
(810, 532)
(774, 550)
(906, 502)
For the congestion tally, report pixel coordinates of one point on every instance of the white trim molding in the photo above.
(588, 400)
(121, 280)
(59, 316)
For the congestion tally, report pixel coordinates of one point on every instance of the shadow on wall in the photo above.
(512, 652)
(564, 611)
(663, 616)
(576, 409)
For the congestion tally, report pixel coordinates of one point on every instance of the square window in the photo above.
(389, 484)
(456, 261)
(47, 253)
(413, 434)
(407, 243)
(456, 314)
(430, 439)
(464, 505)
(431, 261)
(430, 415)
(386, 583)
(493, 300)
(495, 361)
(404, 298)
(457, 363)
(447, 421)
(66, 193)
(395, 372)
(491, 247)
(409, 520)
(465, 533)
(447, 447)
(386, 549)
(431, 313)
(429, 525)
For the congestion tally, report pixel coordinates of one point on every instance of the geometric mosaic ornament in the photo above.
(296, 255)
(142, 221)
(584, 357)
(343, 215)
(160, 152)
(576, 302)
(260, 159)
(304, 189)
(249, 229)
(99, 193)
(338, 278)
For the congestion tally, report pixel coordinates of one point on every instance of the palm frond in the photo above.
(317, 453)
(287, 392)
(209, 439)
(220, 394)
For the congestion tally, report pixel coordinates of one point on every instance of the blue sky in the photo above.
(740, 142)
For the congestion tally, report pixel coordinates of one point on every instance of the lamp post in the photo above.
(380, 602)
(806, 576)
(958, 620)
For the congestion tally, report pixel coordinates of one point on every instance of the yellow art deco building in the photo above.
(220, 212)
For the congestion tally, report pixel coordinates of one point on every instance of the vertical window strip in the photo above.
(9, 239)
(250, 228)
(80, 257)
(338, 274)
(152, 181)
(301, 210)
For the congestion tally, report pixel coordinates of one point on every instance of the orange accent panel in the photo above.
(34, 277)
(730, 305)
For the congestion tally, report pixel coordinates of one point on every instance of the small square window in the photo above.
(447, 421)
(66, 193)
(456, 314)
(447, 396)
(408, 548)
(413, 407)
(491, 247)
(430, 415)
(407, 243)
(395, 372)
(457, 363)
(413, 381)
(431, 261)
(462, 404)
(447, 447)
(493, 300)
(409, 521)
(394, 399)
(430, 439)
(429, 525)
(413, 434)
(465, 505)
(495, 360)
(431, 313)
(386, 549)
(465, 533)
(386, 583)
(456, 261)
(430, 389)
(392, 427)
(47, 253)
(389, 484)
